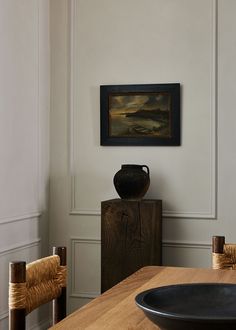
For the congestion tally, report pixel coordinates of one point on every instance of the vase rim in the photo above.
(129, 165)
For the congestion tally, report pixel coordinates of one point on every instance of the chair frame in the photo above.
(17, 274)
(218, 243)
(223, 254)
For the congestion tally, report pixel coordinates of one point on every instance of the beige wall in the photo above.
(24, 138)
(132, 42)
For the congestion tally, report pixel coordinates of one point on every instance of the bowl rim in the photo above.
(139, 300)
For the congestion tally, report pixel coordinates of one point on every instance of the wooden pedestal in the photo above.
(131, 235)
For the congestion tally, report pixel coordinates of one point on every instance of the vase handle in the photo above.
(147, 168)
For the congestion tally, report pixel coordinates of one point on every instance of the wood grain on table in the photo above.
(116, 309)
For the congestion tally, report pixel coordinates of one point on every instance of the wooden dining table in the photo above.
(115, 309)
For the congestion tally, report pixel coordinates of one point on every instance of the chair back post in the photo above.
(17, 274)
(59, 304)
(218, 244)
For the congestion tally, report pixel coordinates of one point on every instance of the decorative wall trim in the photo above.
(32, 215)
(187, 245)
(13, 249)
(166, 214)
(85, 240)
(74, 241)
(3, 315)
(165, 244)
(19, 247)
(37, 103)
(85, 212)
(212, 213)
(85, 295)
(72, 88)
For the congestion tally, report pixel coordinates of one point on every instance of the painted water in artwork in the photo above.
(142, 114)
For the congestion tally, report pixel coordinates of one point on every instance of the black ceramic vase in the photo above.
(131, 181)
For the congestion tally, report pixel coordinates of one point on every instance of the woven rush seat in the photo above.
(34, 284)
(223, 255)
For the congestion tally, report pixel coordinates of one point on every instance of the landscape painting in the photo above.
(140, 114)
(137, 115)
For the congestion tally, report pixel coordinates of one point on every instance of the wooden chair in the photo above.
(34, 284)
(223, 255)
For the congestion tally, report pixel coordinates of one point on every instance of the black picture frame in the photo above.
(140, 115)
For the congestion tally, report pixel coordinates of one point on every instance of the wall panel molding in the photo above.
(187, 245)
(85, 295)
(27, 213)
(3, 315)
(31, 215)
(204, 214)
(13, 250)
(75, 242)
(19, 219)
(37, 103)
(72, 94)
(187, 254)
(19, 247)
(166, 244)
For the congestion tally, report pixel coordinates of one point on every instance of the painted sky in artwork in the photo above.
(132, 103)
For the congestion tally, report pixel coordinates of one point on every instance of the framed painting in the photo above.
(140, 115)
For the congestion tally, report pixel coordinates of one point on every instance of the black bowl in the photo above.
(196, 306)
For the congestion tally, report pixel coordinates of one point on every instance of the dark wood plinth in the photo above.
(131, 235)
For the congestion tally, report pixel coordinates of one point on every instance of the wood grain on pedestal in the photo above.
(131, 232)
